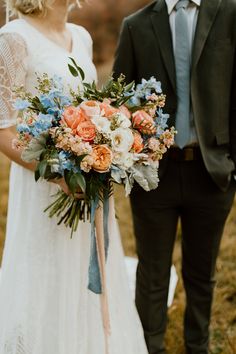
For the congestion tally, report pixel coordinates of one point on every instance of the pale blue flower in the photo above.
(162, 118)
(66, 163)
(23, 128)
(133, 102)
(42, 124)
(20, 104)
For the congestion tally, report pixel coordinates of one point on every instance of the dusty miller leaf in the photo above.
(145, 176)
(34, 149)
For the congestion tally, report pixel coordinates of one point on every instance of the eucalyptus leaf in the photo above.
(73, 71)
(78, 68)
(36, 175)
(81, 181)
(42, 167)
(81, 73)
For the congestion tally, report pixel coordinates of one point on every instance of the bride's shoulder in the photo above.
(12, 38)
(82, 33)
(14, 32)
(13, 26)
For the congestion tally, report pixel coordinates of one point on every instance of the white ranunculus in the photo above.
(102, 124)
(124, 160)
(123, 121)
(91, 108)
(122, 139)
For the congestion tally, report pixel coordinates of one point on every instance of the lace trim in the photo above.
(13, 53)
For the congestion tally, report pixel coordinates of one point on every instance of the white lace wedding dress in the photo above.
(45, 307)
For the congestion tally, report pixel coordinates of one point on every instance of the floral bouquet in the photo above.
(91, 138)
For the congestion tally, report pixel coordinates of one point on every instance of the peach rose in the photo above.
(153, 144)
(143, 122)
(102, 158)
(86, 131)
(168, 138)
(86, 163)
(107, 109)
(91, 108)
(123, 109)
(73, 116)
(138, 142)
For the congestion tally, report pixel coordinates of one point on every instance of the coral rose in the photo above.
(91, 108)
(106, 109)
(138, 142)
(143, 122)
(86, 131)
(102, 158)
(73, 116)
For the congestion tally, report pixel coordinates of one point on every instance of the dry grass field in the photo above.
(223, 329)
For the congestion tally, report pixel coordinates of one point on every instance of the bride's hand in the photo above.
(62, 184)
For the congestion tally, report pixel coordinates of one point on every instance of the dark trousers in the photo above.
(186, 191)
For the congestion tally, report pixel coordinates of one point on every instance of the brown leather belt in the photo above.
(188, 153)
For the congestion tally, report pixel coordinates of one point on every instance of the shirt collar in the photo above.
(171, 4)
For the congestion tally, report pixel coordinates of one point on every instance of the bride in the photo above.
(45, 307)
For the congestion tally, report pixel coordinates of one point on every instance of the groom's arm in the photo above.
(125, 57)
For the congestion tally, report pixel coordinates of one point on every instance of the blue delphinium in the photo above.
(143, 91)
(20, 104)
(23, 128)
(53, 101)
(66, 163)
(42, 124)
(147, 87)
(161, 121)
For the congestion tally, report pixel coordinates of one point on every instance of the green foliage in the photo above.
(76, 70)
(75, 181)
(113, 89)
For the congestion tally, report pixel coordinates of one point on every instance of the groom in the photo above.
(190, 46)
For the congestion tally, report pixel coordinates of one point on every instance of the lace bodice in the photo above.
(25, 51)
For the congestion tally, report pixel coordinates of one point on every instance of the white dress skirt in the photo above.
(45, 306)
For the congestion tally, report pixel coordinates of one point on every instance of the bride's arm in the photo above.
(7, 135)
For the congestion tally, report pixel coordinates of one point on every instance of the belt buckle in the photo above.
(188, 154)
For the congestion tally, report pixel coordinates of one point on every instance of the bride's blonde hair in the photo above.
(28, 7)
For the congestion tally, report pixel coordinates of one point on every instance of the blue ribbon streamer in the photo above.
(94, 283)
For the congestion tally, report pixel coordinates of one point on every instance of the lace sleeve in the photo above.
(13, 53)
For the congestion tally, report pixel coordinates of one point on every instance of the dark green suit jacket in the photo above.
(145, 50)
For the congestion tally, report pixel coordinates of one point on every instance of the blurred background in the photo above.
(103, 19)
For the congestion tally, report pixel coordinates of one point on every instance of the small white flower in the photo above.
(122, 120)
(123, 160)
(122, 139)
(102, 124)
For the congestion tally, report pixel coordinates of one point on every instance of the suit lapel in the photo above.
(206, 16)
(161, 27)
